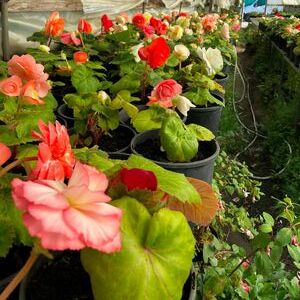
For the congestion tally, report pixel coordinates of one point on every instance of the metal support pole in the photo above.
(4, 29)
(180, 7)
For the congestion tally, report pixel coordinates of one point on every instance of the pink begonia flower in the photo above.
(69, 38)
(5, 154)
(72, 216)
(55, 156)
(164, 92)
(11, 86)
(26, 68)
(29, 94)
(148, 30)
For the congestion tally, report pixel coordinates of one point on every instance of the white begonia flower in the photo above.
(135, 51)
(181, 52)
(121, 20)
(183, 104)
(175, 32)
(188, 31)
(44, 48)
(213, 60)
(102, 96)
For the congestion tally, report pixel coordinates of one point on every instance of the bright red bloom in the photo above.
(155, 54)
(84, 26)
(55, 156)
(107, 23)
(139, 20)
(138, 179)
(5, 154)
(183, 14)
(297, 26)
(54, 25)
(167, 18)
(159, 26)
(80, 57)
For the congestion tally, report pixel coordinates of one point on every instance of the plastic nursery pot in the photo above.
(147, 144)
(209, 116)
(66, 113)
(125, 119)
(222, 80)
(34, 285)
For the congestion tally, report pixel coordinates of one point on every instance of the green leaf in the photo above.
(266, 228)
(202, 96)
(179, 142)
(263, 263)
(276, 253)
(7, 235)
(84, 81)
(260, 241)
(130, 109)
(294, 252)
(284, 236)
(172, 61)
(130, 82)
(214, 286)
(202, 133)
(155, 259)
(268, 218)
(108, 119)
(174, 184)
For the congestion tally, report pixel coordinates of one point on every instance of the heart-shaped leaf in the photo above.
(155, 259)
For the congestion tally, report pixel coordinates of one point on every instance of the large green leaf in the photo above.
(179, 142)
(130, 82)
(174, 184)
(202, 133)
(155, 259)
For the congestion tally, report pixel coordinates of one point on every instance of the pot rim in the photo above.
(61, 113)
(176, 165)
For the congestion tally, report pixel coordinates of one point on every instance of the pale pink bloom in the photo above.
(29, 93)
(11, 86)
(236, 26)
(69, 38)
(55, 156)
(26, 68)
(72, 216)
(5, 154)
(225, 32)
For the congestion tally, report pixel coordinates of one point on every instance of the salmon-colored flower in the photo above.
(11, 86)
(55, 156)
(236, 26)
(164, 92)
(29, 93)
(72, 216)
(138, 179)
(80, 57)
(155, 54)
(69, 38)
(54, 25)
(5, 154)
(209, 22)
(84, 26)
(26, 68)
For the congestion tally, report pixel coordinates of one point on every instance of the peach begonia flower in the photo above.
(11, 86)
(209, 22)
(5, 154)
(54, 25)
(55, 156)
(72, 216)
(69, 38)
(84, 26)
(29, 93)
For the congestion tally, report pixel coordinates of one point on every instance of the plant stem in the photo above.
(20, 276)
(244, 259)
(15, 164)
(81, 38)
(144, 82)
(49, 41)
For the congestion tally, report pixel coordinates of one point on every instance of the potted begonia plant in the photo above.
(165, 139)
(121, 215)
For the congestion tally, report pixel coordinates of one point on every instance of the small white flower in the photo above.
(188, 31)
(183, 104)
(44, 48)
(135, 52)
(212, 58)
(181, 52)
(102, 96)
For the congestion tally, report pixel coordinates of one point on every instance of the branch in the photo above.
(15, 164)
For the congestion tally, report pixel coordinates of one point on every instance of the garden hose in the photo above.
(238, 69)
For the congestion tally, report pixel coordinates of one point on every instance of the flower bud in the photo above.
(44, 48)
(102, 96)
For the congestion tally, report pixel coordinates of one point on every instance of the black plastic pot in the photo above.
(208, 117)
(67, 114)
(201, 169)
(189, 291)
(222, 80)
(125, 119)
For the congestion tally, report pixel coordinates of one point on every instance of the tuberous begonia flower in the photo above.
(80, 57)
(69, 38)
(55, 156)
(159, 26)
(183, 104)
(139, 20)
(134, 50)
(11, 86)
(181, 52)
(212, 58)
(107, 23)
(175, 32)
(155, 54)
(122, 18)
(148, 31)
(5, 154)
(209, 22)
(30, 94)
(225, 32)
(236, 26)
(164, 92)
(138, 179)
(54, 25)
(84, 26)
(72, 216)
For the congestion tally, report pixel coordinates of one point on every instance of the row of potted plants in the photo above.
(143, 76)
(285, 33)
